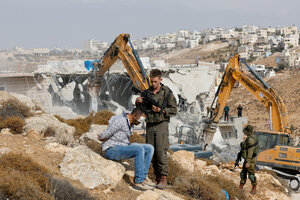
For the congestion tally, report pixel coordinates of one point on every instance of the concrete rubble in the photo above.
(66, 93)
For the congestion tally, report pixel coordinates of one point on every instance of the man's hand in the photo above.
(139, 100)
(103, 139)
(247, 165)
(156, 109)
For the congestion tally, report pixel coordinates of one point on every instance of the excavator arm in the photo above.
(120, 49)
(279, 120)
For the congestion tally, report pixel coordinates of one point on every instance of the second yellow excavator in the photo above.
(122, 49)
(275, 151)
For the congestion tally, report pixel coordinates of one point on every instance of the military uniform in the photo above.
(249, 151)
(157, 131)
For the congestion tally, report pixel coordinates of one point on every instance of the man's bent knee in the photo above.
(148, 148)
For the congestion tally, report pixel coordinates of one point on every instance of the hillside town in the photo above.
(250, 42)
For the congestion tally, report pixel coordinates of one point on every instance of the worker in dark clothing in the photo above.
(249, 151)
(226, 112)
(157, 119)
(240, 110)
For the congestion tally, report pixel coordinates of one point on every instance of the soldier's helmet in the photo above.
(248, 130)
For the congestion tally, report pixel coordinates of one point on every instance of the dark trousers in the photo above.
(251, 173)
(226, 117)
(157, 134)
(239, 114)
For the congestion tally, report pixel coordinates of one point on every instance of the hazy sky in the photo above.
(69, 23)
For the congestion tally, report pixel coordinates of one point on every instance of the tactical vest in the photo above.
(244, 147)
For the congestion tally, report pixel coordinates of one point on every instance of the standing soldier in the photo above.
(158, 118)
(240, 110)
(249, 151)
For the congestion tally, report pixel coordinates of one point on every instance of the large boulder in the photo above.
(81, 163)
(199, 165)
(57, 148)
(184, 159)
(64, 133)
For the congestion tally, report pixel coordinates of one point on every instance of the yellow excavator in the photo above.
(275, 151)
(122, 49)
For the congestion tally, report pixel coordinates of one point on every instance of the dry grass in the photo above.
(175, 171)
(82, 125)
(22, 178)
(198, 187)
(232, 189)
(15, 124)
(60, 118)
(14, 108)
(207, 187)
(50, 132)
(201, 187)
(102, 117)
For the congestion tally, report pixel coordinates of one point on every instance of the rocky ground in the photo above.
(74, 160)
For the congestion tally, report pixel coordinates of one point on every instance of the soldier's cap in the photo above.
(248, 129)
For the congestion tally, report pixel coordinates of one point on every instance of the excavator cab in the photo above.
(268, 140)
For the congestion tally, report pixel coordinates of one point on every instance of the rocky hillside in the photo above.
(46, 157)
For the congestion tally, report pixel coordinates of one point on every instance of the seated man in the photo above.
(116, 145)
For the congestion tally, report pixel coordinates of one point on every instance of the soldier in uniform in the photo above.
(249, 151)
(157, 122)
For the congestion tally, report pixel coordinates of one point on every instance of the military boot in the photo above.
(241, 186)
(253, 191)
(163, 183)
(157, 179)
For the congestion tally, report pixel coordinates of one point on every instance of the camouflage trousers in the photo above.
(157, 134)
(251, 173)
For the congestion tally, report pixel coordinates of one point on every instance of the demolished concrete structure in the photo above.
(68, 95)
